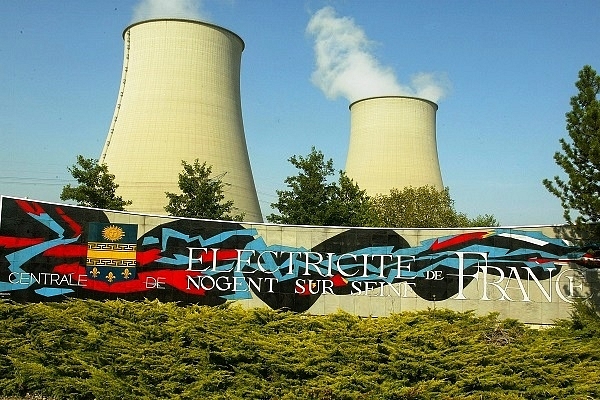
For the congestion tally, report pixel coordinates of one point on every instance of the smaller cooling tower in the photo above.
(179, 100)
(393, 144)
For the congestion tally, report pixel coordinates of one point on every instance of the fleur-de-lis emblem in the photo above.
(111, 252)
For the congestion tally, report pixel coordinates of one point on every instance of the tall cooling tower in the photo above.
(179, 100)
(393, 144)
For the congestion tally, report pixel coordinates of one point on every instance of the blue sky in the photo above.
(508, 69)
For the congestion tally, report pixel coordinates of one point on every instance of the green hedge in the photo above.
(152, 350)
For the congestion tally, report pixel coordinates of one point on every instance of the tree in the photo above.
(310, 191)
(97, 187)
(423, 207)
(580, 158)
(314, 199)
(202, 196)
(483, 220)
(350, 206)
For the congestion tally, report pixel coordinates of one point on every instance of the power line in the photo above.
(19, 180)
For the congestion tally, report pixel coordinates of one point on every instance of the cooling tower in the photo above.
(393, 144)
(179, 100)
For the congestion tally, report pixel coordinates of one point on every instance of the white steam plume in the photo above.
(346, 67)
(151, 9)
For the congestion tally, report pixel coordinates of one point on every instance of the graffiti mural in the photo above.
(51, 252)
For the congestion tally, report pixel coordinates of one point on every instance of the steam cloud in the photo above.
(346, 67)
(150, 9)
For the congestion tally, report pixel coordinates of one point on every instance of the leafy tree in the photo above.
(482, 220)
(350, 206)
(313, 199)
(97, 187)
(202, 196)
(310, 191)
(423, 207)
(580, 157)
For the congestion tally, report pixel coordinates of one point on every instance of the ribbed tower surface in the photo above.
(393, 144)
(179, 100)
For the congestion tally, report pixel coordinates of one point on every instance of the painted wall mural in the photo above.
(51, 252)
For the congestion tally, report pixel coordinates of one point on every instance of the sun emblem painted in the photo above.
(113, 233)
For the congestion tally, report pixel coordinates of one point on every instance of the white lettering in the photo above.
(461, 271)
(199, 258)
(340, 269)
(495, 284)
(243, 262)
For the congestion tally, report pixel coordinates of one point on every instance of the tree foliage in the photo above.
(202, 195)
(423, 207)
(350, 205)
(314, 199)
(150, 350)
(482, 220)
(580, 156)
(96, 186)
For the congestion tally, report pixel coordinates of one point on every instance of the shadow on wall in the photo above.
(587, 239)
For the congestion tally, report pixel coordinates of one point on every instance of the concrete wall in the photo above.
(51, 252)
